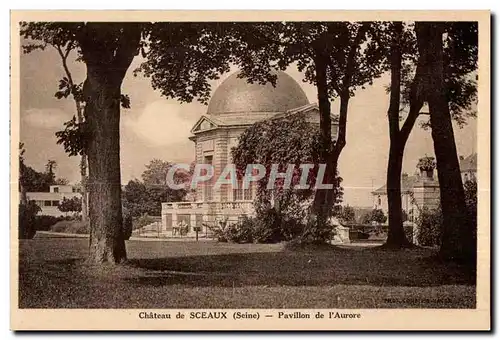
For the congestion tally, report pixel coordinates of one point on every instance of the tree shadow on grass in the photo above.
(301, 268)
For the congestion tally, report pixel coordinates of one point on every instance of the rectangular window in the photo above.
(47, 203)
(55, 203)
(238, 192)
(199, 222)
(247, 193)
(56, 189)
(169, 221)
(208, 194)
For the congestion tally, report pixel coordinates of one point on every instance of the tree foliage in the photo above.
(27, 219)
(73, 204)
(182, 58)
(290, 140)
(376, 215)
(347, 46)
(409, 83)
(64, 38)
(156, 173)
(31, 180)
(336, 57)
(430, 223)
(347, 214)
(460, 57)
(107, 49)
(146, 196)
(470, 190)
(284, 142)
(457, 241)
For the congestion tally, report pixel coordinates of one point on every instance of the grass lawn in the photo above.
(216, 275)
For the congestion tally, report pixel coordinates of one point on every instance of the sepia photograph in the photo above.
(250, 170)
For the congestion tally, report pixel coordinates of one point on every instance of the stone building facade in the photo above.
(235, 105)
(421, 190)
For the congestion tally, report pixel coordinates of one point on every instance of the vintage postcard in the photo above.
(250, 170)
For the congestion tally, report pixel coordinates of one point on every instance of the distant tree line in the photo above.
(31, 180)
(145, 196)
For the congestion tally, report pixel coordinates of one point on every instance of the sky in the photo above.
(156, 127)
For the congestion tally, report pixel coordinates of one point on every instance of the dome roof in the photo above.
(237, 95)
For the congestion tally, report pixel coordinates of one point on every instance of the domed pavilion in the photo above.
(235, 105)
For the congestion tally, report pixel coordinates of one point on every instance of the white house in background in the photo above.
(422, 190)
(468, 167)
(234, 106)
(417, 192)
(49, 201)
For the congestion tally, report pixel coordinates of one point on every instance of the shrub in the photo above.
(27, 220)
(241, 232)
(44, 222)
(247, 230)
(71, 227)
(76, 226)
(272, 226)
(470, 190)
(267, 226)
(282, 221)
(127, 225)
(429, 227)
(408, 232)
(376, 215)
(142, 221)
(316, 231)
(218, 230)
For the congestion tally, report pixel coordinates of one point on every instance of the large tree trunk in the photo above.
(325, 199)
(108, 49)
(457, 235)
(396, 237)
(107, 243)
(321, 208)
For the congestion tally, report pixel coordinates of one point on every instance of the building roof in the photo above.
(469, 163)
(237, 95)
(407, 184)
(43, 195)
(231, 120)
(466, 164)
(40, 196)
(210, 122)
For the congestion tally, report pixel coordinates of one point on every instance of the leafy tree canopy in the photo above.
(280, 44)
(284, 141)
(459, 61)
